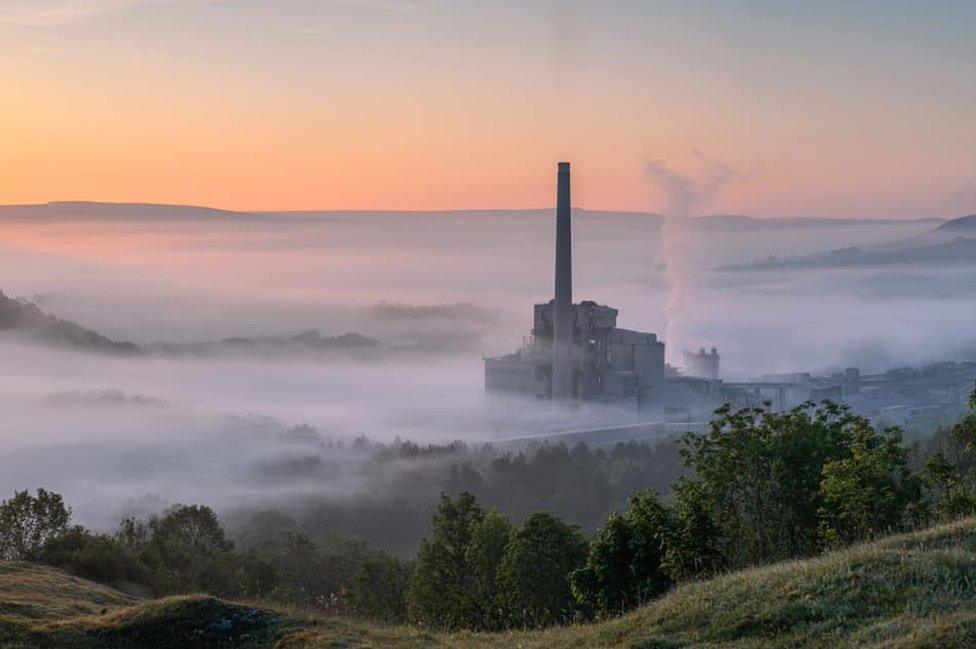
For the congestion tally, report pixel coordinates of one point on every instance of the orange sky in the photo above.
(427, 105)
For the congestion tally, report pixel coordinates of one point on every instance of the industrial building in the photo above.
(701, 363)
(576, 352)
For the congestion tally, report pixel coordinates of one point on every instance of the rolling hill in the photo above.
(43, 607)
(57, 211)
(910, 592)
(962, 224)
(26, 318)
(961, 250)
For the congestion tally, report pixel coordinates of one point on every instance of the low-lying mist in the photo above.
(201, 419)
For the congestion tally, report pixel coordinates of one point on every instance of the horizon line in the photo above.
(56, 203)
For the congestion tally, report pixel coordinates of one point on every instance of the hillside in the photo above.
(58, 211)
(27, 319)
(32, 592)
(962, 224)
(910, 591)
(961, 250)
(44, 607)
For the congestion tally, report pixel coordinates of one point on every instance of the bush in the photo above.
(97, 557)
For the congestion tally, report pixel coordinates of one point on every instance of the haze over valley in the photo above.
(215, 332)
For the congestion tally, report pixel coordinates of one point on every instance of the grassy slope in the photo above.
(916, 590)
(32, 592)
(43, 607)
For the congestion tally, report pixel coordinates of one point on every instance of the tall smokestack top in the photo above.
(562, 323)
(564, 237)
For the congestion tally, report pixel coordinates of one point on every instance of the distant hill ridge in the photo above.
(967, 223)
(961, 250)
(94, 210)
(26, 317)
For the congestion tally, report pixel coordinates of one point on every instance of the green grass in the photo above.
(910, 591)
(42, 607)
(32, 592)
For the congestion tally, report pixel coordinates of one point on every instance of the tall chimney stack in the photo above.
(562, 320)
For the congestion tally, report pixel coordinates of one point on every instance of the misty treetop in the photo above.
(396, 484)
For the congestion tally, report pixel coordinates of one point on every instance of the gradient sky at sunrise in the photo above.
(832, 108)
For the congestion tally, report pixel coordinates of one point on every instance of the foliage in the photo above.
(441, 591)
(184, 550)
(695, 544)
(950, 469)
(760, 486)
(870, 492)
(864, 595)
(28, 522)
(624, 567)
(98, 557)
(379, 589)
(489, 539)
(314, 571)
(534, 572)
(578, 483)
(756, 492)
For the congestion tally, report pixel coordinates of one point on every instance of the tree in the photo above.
(604, 584)
(255, 576)
(950, 470)
(534, 573)
(757, 475)
(695, 544)
(868, 493)
(28, 522)
(624, 568)
(185, 550)
(379, 590)
(484, 553)
(951, 492)
(441, 590)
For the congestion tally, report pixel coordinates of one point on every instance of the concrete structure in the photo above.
(562, 310)
(701, 363)
(576, 351)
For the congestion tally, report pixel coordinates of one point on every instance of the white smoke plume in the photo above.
(684, 197)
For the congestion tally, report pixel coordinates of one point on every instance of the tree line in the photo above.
(760, 486)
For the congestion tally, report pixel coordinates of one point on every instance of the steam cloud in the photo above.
(684, 196)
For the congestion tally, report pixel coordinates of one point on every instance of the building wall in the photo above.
(611, 365)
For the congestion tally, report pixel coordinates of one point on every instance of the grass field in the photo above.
(910, 591)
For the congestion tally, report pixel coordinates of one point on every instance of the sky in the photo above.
(833, 108)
